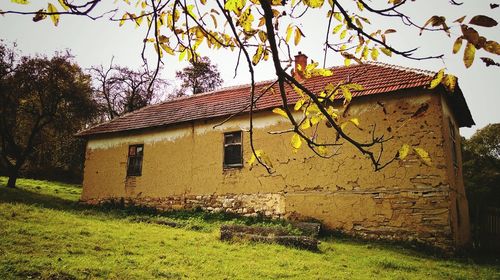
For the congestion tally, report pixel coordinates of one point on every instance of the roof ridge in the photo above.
(398, 67)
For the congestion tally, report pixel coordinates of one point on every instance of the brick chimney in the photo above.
(300, 59)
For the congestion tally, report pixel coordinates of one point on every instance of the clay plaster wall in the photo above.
(183, 167)
(458, 199)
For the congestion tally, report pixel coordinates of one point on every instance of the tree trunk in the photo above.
(12, 178)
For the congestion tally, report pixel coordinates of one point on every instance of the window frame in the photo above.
(224, 145)
(136, 156)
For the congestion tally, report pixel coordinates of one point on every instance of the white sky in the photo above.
(95, 42)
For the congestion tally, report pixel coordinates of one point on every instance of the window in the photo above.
(233, 152)
(453, 143)
(134, 166)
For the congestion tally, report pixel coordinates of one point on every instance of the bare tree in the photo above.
(120, 89)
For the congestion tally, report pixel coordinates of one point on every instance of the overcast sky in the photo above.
(95, 42)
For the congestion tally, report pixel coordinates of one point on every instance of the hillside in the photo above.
(46, 234)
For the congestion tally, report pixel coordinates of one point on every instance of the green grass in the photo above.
(46, 234)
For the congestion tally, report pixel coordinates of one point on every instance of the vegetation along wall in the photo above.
(182, 167)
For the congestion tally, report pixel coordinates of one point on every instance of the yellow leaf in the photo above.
(374, 53)
(337, 16)
(492, 47)
(450, 83)
(365, 53)
(315, 119)
(124, 17)
(360, 6)
(258, 54)
(347, 62)
(246, 20)
(138, 20)
(386, 51)
(296, 141)
(469, 53)
(355, 121)
(264, 158)
(234, 5)
(251, 160)
(322, 72)
(437, 79)
(65, 7)
(403, 152)
(343, 34)
(299, 104)
(298, 91)
(52, 9)
(262, 21)
(312, 109)
(158, 50)
(305, 125)
(280, 112)
(298, 34)
(347, 94)
(260, 155)
(423, 155)
(314, 3)
(262, 36)
(289, 30)
(337, 28)
(23, 2)
(182, 55)
(322, 150)
(457, 45)
(189, 9)
(167, 49)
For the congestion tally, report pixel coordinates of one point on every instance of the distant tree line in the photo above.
(481, 167)
(44, 101)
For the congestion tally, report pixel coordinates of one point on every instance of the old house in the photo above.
(177, 154)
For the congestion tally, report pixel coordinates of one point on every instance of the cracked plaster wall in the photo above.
(407, 200)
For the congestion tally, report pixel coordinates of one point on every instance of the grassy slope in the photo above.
(44, 233)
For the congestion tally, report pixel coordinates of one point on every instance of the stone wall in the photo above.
(270, 205)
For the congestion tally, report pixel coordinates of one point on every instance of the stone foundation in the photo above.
(270, 205)
(420, 216)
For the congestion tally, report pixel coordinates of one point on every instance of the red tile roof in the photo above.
(374, 77)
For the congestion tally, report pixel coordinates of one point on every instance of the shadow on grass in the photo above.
(190, 219)
(21, 195)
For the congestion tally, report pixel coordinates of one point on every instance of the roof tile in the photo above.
(374, 77)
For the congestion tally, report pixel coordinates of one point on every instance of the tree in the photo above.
(481, 166)
(38, 96)
(120, 90)
(263, 30)
(200, 76)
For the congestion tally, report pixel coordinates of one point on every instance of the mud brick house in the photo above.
(172, 155)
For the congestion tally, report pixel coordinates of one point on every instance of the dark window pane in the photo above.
(134, 167)
(232, 155)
